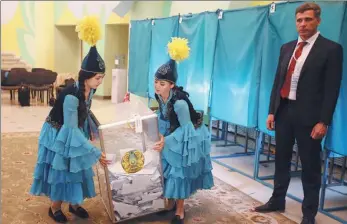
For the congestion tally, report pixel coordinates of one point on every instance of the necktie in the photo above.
(286, 86)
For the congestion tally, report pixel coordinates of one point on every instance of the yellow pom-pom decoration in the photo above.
(178, 49)
(89, 30)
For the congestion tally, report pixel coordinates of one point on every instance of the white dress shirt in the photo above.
(299, 63)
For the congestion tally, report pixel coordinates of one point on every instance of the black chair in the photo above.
(13, 81)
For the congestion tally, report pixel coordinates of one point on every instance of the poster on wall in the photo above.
(132, 185)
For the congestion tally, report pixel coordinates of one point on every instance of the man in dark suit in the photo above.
(302, 104)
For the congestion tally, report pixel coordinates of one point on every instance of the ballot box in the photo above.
(132, 185)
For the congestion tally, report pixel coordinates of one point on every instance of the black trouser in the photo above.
(287, 130)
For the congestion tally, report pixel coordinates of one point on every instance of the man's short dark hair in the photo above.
(309, 6)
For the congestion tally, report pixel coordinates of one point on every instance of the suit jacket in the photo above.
(319, 82)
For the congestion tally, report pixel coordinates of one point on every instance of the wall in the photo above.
(148, 9)
(186, 7)
(69, 12)
(67, 50)
(29, 29)
(26, 34)
(158, 9)
(116, 41)
(44, 34)
(11, 21)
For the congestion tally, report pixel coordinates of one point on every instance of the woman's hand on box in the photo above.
(158, 146)
(103, 161)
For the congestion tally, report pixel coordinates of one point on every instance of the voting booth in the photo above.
(132, 185)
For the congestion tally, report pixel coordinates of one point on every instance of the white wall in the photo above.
(8, 9)
(185, 7)
(147, 9)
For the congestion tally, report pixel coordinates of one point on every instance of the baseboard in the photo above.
(102, 97)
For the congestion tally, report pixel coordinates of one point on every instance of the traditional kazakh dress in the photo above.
(186, 154)
(65, 155)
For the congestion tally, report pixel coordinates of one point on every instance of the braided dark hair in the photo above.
(82, 107)
(180, 94)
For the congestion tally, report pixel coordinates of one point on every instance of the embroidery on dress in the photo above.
(54, 124)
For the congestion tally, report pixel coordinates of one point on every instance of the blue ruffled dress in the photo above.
(186, 158)
(65, 159)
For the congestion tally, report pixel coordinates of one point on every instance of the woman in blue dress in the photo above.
(64, 169)
(185, 141)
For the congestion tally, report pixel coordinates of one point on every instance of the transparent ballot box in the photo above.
(132, 185)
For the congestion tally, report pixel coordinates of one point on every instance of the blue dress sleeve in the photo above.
(74, 151)
(182, 110)
(186, 145)
(70, 111)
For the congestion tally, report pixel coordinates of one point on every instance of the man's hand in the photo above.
(270, 122)
(319, 131)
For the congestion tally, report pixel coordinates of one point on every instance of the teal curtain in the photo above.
(139, 53)
(236, 73)
(194, 74)
(162, 31)
(337, 134)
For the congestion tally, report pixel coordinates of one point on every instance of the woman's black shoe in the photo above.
(80, 212)
(177, 220)
(58, 216)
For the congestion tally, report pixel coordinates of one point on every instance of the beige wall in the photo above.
(116, 43)
(44, 30)
(67, 58)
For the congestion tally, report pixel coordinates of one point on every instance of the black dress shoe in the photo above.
(308, 220)
(271, 206)
(57, 216)
(80, 212)
(177, 220)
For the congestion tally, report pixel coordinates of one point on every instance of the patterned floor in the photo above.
(15, 118)
(221, 205)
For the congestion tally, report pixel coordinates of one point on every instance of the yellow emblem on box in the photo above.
(133, 161)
